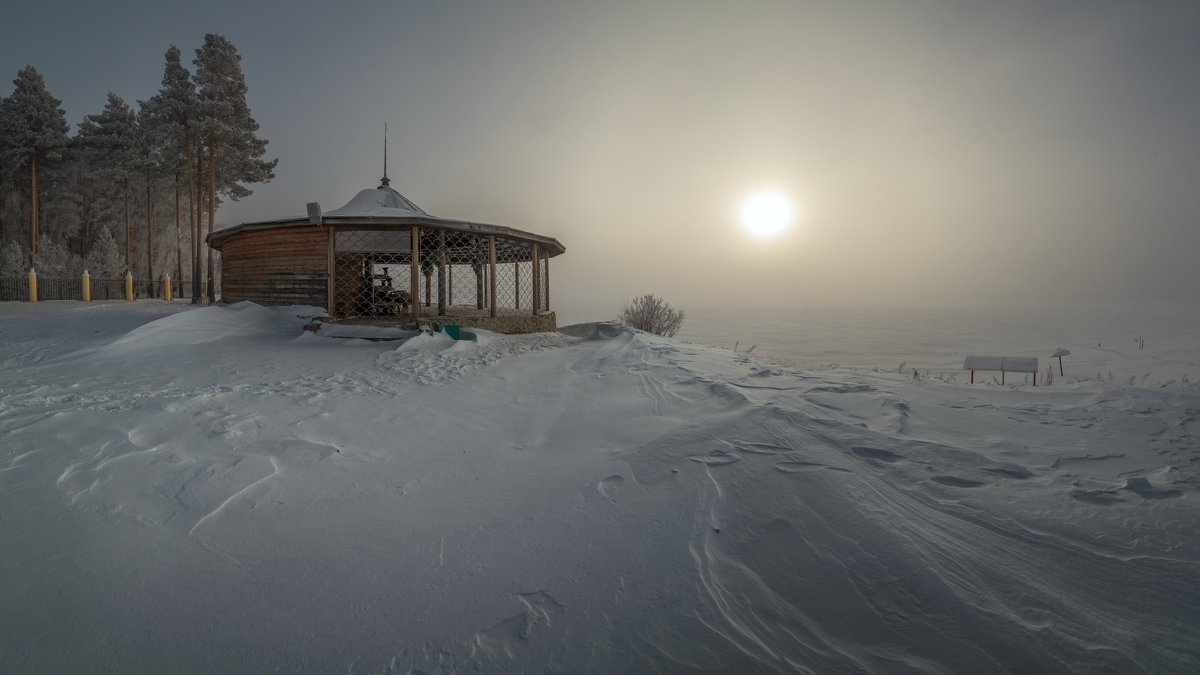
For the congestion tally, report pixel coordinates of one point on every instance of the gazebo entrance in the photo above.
(406, 273)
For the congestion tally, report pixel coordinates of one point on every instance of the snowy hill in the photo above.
(212, 490)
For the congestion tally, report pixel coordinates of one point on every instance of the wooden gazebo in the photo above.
(382, 259)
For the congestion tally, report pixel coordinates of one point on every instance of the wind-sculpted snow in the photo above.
(214, 491)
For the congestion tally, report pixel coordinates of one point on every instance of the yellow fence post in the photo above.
(87, 286)
(32, 285)
(167, 288)
(129, 286)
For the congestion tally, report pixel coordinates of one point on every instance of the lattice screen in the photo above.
(371, 273)
(373, 277)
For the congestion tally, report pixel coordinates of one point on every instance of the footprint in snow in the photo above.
(607, 487)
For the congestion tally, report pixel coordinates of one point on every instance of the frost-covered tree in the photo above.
(109, 142)
(170, 120)
(4, 177)
(104, 260)
(33, 132)
(653, 315)
(13, 260)
(227, 130)
(52, 259)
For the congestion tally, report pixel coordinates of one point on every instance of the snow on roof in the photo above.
(381, 202)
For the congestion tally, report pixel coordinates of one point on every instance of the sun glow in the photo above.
(766, 214)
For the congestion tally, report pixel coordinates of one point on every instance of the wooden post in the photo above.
(449, 284)
(537, 278)
(972, 377)
(32, 285)
(167, 288)
(517, 285)
(441, 273)
(492, 275)
(129, 286)
(87, 286)
(331, 270)
(33, 206)
(546, 265)
(415, 272)
(1002, 374)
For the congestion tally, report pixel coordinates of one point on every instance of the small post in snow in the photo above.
(86, 286)
(1058, 355)
(167, 287)
(129, 285)
(32, 285)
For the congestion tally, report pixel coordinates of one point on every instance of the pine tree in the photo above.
(110, 143)
(228, 132)
(51, 260)
(172, 111)
(33, 131)
(13, 260)
(4, 178)
(104, 260)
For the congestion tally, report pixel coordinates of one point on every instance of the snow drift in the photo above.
(214, 491)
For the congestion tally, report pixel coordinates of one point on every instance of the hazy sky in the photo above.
(936, 152)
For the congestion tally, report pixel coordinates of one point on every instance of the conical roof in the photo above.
(381, 202)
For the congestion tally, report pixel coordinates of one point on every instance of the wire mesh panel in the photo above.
(514, 276)
(454, 274)
(372, 272)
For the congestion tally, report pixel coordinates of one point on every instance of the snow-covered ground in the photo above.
(213, 490)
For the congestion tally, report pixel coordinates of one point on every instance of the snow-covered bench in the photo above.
(1004, 364)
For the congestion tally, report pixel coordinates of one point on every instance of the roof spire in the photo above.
(385, 181)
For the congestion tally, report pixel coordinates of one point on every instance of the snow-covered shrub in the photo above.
(652, 315)
(105, 260)
(13, 262)
(50, 261)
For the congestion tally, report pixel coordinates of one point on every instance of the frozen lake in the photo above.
(1153, 343)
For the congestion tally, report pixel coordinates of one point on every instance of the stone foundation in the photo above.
(512, 324)
(542, 323)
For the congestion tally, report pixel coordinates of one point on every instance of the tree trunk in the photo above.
(212, 214)
(3, 190)
(194, 217)
(128, 230)
(149, 234)
(178, 247)
(33, 205)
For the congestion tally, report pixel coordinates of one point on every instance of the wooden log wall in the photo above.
(283, 266)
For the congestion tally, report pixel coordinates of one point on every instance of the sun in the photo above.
(766, 214)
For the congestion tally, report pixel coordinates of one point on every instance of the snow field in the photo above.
(203, 490)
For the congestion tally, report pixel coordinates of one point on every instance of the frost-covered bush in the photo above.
(51, 259)
(13, 261)
(105, 260)
(652, 315)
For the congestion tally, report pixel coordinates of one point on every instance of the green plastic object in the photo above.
(451, 329)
